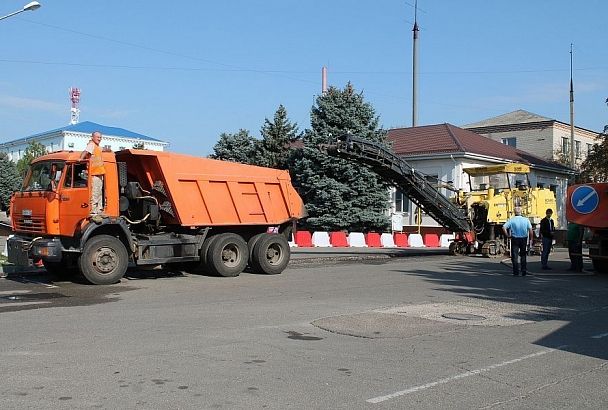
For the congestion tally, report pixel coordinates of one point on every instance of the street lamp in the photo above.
(31, 6)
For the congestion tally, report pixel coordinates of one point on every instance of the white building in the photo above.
(444, 151)
(544, 137)
(75, 138)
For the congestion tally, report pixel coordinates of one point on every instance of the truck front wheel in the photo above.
(270, 254)
(227, 255)
(104, 260)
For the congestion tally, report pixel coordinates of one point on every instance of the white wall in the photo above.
(76, 141)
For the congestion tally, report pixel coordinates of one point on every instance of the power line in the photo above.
(282, 72)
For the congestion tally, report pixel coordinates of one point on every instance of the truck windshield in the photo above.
(483, 182)
(43, 176)
(499, 181)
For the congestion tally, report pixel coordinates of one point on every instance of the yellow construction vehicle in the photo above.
(494, 193)
(476, 217)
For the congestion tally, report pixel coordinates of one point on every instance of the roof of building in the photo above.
(515, 117)
(89, 127)
(449, 139)
(520, 119)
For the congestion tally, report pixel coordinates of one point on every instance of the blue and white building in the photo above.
(75, 137)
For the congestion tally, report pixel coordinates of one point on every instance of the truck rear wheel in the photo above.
(104, 260)
(251, 244)
(271, 254)
(227, 255)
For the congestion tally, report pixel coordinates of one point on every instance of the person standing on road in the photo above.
(519, 229)
(97, 172)
(546, 233)
(575, 246)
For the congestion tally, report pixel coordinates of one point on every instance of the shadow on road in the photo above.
(581, 300)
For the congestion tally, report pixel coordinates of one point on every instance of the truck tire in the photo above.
(251, 244)
(200, 266)
(205, 251)
(104, 260)
(227, 255)
(271, 254)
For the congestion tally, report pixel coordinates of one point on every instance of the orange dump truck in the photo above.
(160, 208)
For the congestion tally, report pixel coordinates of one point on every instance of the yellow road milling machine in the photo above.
(476, 217)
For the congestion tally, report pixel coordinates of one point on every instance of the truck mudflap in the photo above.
(22, 250)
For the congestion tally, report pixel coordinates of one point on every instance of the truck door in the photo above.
(74, 197)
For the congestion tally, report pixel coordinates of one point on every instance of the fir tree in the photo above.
(340, 194)
(33, 151)
(277, 136)
(239, 147)
(9, 180)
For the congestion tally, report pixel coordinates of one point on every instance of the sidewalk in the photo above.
(304, 255)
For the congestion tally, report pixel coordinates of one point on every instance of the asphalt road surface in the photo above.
(416, 332)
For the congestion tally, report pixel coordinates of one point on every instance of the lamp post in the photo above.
(31, 6)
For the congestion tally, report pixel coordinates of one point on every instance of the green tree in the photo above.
(595, 166)
(239, 147)
(9, 180)
(33, 151)
(340, 194)
(277, 136)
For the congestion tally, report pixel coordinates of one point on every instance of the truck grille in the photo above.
(32, 224)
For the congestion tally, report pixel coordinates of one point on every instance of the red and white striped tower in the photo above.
(74, 111)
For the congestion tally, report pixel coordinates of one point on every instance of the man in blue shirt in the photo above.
(519, 229)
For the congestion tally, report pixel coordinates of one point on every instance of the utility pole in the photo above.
(415, 68)
(571, 113)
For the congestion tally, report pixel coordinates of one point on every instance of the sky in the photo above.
(185, 72)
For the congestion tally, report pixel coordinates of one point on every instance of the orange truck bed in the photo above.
(207, 192)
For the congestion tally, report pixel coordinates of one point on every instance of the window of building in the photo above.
(565, 146)
(577, 149)
(589, 148)
(511, 141)
(402, 203)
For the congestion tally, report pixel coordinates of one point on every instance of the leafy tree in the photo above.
(277, 135)
(33, 151)
(239, 147)
(9, 180)
(595, 166)
(340, 194)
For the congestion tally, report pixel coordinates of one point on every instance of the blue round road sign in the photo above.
(584, 199)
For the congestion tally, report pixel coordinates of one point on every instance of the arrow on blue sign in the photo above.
(584, 199)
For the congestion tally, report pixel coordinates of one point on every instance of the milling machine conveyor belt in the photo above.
(398, 172)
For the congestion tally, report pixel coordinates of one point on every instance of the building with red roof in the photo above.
(445, 150)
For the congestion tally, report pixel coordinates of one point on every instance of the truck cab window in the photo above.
(43, 176)
(77, 176)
